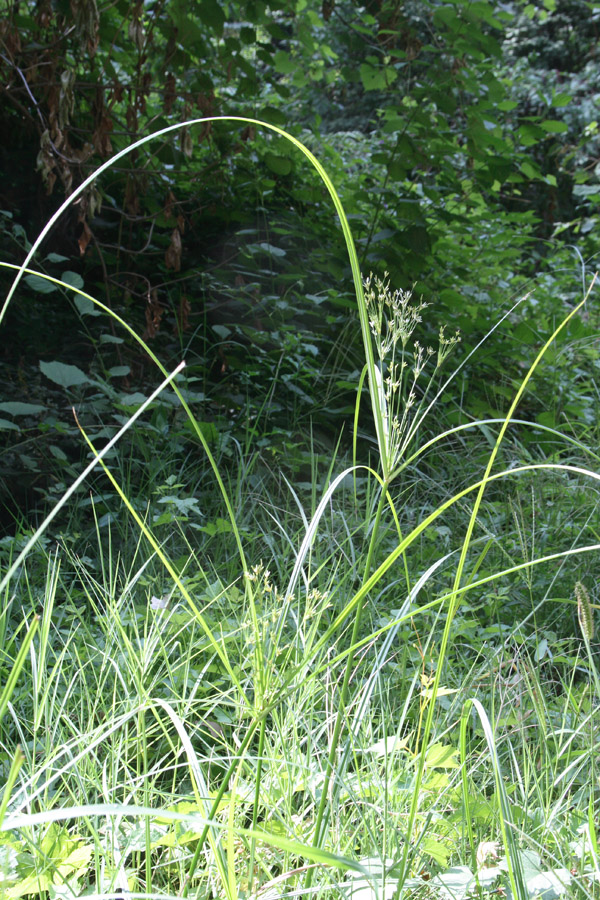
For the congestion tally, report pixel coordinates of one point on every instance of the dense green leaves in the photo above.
(457, 158)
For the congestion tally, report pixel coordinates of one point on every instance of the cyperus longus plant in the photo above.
(402, 365)
(399, 373)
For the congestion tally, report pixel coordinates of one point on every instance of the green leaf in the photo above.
(210, 12)
(5, 425)
(63, 374)
(529, 171)
(57, 453)
(16, 408)
(56, 258)
(220, 526)
(190, 33)
(377, 78)
(554, 126)
(40, 284)
(284, 64)
(440, 854)
(132, 400)
(456, 882)
(73, 279)
(281, 165)
(84, 305)
(529, 134)
(388, 745)
(271, 250)
(441, 756)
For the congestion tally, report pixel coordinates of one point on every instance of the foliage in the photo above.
(440, 155)
(183, 719)
(403, 702)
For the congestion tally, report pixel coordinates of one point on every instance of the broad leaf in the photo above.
(17, 408)
(63, 374)
(40, 285)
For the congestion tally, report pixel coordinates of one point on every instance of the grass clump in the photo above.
(366, 723)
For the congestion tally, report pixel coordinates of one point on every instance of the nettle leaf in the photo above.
(63, 374)
(283, 63)
(40, 285)
(73, 279)
(554, 126)
(210, 13)
(377, 78)
(57, 258)
(388, 745)
(441, 756)
(455, 883)
(220, 526)
(16, 408)
(281, 165)
(440, 854)
(85, 306)
(271, 250)
(5, 425)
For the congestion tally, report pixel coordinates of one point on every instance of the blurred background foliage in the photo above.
(461, 136)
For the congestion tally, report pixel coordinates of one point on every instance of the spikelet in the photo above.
(584, 611)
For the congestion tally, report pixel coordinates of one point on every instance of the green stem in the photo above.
(215, 805)
(261, 747)
(343, 698)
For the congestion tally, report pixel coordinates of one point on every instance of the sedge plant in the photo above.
(400, 376)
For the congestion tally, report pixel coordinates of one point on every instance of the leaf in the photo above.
(440, 854)
(63, 374)
(210, 12)
(441, 691)
(173, 251)
(16, 408)
(57, 258)
(441, 756)
(220, 526)
(41, 285)
(57, 453)
(377, 78)
(132, 400)
(454, 884)
(5, 425)
(284, 64)
(387, 745)
(85, 306)
(554, 126)
(541, 650)
(190, 32)
(281, 165)
(273, 251)
(73, 279)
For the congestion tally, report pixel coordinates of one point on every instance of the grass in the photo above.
(358, 723)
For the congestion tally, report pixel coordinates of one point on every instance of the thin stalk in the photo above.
(343, 698)
(261, 748)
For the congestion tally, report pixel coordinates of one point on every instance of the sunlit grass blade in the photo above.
(507, 826)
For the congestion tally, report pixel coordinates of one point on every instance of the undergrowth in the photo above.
(363, 688)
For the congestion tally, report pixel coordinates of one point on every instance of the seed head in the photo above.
(584, 611)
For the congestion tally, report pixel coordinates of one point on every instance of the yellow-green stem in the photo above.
(343, 698)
